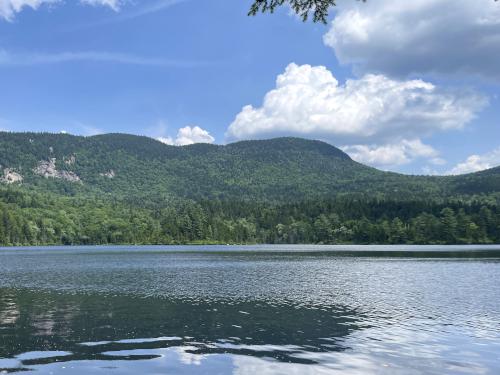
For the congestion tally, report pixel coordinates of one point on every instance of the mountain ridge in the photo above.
(152, 141)
(126, 189)
(272, 169)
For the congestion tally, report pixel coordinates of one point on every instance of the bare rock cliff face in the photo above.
(47, 169)
(10, 176)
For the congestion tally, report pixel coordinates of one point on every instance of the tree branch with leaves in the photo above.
(304, 8)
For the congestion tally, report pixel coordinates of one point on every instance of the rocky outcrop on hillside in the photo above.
(10, 176)
(47, 169)
(69, 160)
(69, 176)
(109, 174)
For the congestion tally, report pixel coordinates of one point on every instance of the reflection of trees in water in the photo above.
(34, 321)
(9, 311)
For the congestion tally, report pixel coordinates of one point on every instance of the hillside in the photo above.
(277, 169)
(118, 188)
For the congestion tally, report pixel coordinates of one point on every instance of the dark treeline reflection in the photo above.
(87, 326)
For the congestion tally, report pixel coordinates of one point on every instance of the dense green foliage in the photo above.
(29, 218)
(284, 190)
(279, 169)
(276, 170)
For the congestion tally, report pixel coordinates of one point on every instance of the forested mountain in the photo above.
(119, 188)
(131, 166)
(279, 169)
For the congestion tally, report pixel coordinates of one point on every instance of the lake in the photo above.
(250, 310)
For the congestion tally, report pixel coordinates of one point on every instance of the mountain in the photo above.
(278, 169)
(119, 188)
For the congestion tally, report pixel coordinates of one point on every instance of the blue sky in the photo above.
(388, 84)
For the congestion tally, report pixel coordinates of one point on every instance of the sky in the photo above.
(412, 87)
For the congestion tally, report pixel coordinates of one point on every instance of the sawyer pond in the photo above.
(250, 310)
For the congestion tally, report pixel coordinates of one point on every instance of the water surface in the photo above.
(247, 310)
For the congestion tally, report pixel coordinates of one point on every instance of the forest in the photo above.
(59, 189)
(29, 218)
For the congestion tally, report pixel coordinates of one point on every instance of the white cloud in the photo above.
(391, 155)
(187, 136)
(8, 8)
(420, 36)
(113, 4)
(375, 117)
(475, 163)
(167, 140)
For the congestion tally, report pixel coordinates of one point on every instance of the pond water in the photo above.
(250, 310)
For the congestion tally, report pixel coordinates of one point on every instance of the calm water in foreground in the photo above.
(250, 310)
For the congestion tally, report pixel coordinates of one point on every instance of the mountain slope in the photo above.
(280, 169)
(121, 189)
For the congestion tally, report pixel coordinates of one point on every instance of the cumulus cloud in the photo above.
(167, 140)
(391, 155)
(371, 116)
(187, 136)
(475, 163)
(397, 37)
(9, 8)
(308, 100)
